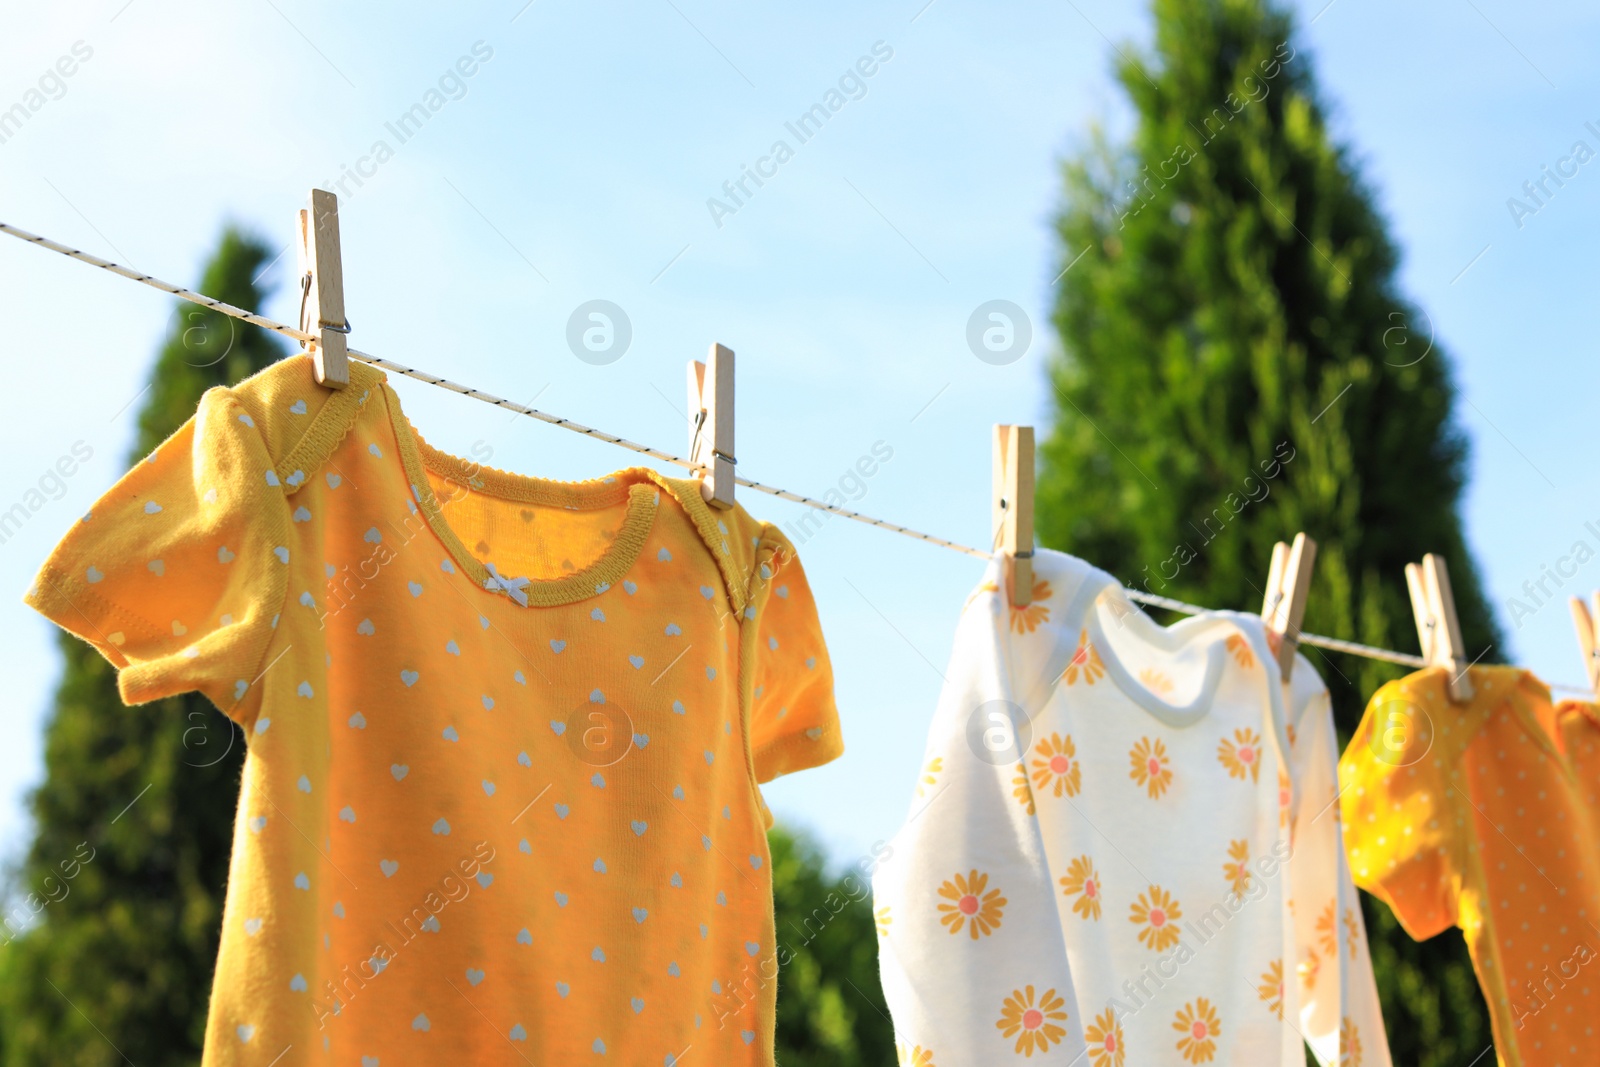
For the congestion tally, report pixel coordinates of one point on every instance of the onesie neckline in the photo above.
(634, 484)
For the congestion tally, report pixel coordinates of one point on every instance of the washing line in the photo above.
(1332, 644)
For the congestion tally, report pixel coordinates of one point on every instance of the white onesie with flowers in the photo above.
(1124, 848)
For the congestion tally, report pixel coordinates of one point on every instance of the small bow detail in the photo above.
(516, 587)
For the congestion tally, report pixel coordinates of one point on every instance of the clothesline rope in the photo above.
(1332, 644)
(476, 394)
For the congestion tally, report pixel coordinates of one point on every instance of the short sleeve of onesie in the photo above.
(178, 572)
(1398, 828)
(793, 721)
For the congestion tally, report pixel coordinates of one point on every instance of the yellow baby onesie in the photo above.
(500, 802)
(1471, 815)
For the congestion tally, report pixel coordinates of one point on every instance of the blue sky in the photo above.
(575, 163)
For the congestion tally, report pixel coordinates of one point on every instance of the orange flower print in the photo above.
(1150, 766)
(1327, 932)
(1241, 652)
(1104, 1038)
(1270, 989)
(1274, 642)
(1156, 913)
(1055, 765)
(930, 775)
(1021, 790)
(970, 906)
(1083, 881)
(1349, 1043)
(1286, 797)
(1026, 620)
(1085, 661)
(1036, 1022)
(1237, 869)
(1157, 681)
(913, 1056)
(1241, 754)
(986, 587)
(1308, 969)
(1352, 931)
(1198, 1023)
(882, 919)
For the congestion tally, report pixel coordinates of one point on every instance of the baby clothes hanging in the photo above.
(504, 815)
(1471, 815)
(1125, 844)
(970, 966)
(1578, 737)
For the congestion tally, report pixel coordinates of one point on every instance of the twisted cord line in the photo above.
(1333, 644)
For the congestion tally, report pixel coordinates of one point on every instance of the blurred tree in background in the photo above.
(116, 966)
(831, 1011)
(1238, 364)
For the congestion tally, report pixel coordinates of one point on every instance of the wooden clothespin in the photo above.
(322, 289)
(711, 425)
(1013, 507)
(1288, 586)
(1438, 628)
(1585, 623)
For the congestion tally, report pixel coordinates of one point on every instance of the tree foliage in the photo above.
(831, 1010)
(1238, 363)
(118, 902)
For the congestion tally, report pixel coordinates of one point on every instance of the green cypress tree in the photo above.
(831, 1011)
(134, 820)
(1238, 363)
